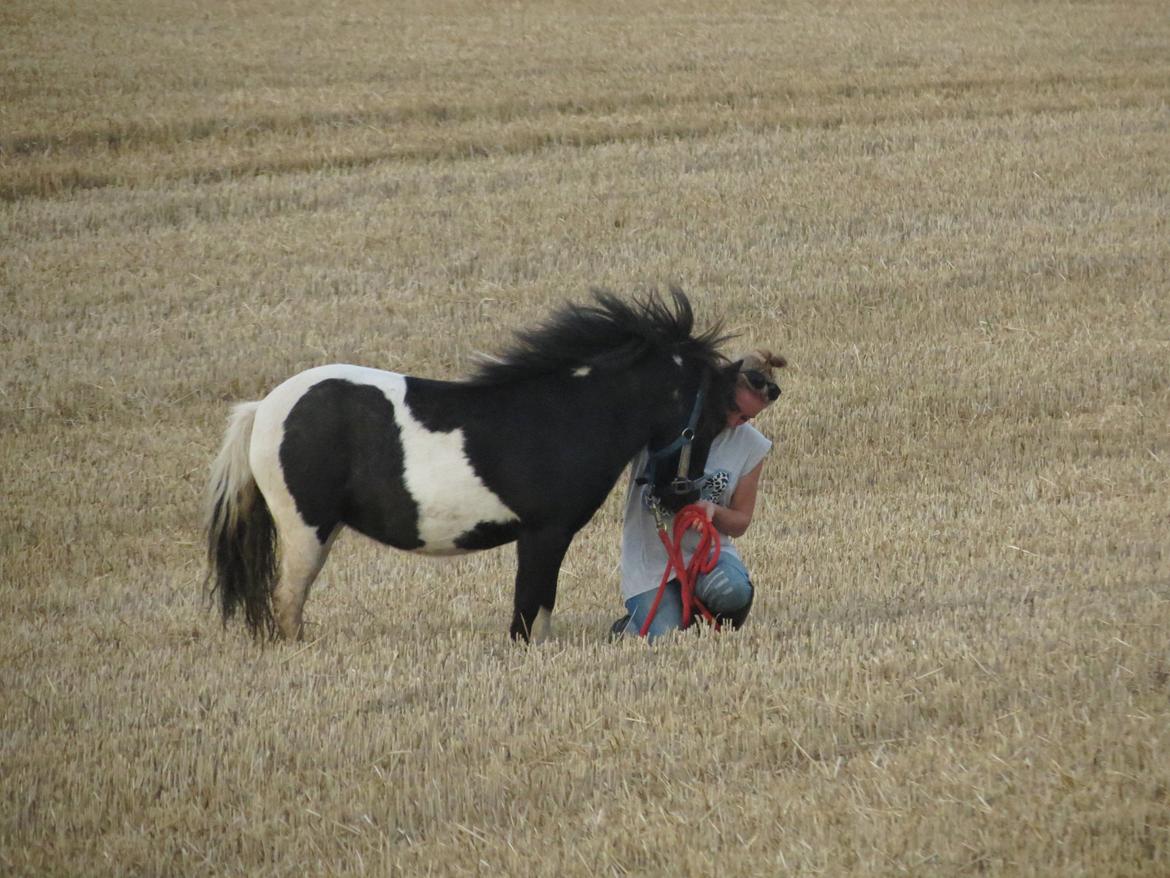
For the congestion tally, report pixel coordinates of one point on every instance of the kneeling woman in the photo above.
(728, 497)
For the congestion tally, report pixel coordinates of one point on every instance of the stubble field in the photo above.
(952, 220)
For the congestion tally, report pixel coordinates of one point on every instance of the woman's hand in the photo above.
(708, 510)
(734, 519)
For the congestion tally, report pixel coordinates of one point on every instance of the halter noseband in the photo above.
(680, 484)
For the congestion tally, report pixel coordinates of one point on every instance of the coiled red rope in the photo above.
(703, 560)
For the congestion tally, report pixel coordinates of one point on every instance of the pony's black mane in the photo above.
(608, 334)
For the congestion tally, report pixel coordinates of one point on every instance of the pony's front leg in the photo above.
(539, 555)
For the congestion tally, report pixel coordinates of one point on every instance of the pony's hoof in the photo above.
(618, 628)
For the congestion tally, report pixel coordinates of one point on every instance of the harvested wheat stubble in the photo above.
(953, 222)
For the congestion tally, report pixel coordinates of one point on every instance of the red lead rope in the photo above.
(703, 560)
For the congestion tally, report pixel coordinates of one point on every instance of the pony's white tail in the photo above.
(241, 535)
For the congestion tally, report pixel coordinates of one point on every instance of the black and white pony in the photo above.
(526, 449)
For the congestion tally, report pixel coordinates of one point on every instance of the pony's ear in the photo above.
(732, 369)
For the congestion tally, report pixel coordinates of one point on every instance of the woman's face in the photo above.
(748, 404)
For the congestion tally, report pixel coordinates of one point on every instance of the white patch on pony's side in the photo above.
(451, 498)
(541, 626)
(582, 371)
(678, 361)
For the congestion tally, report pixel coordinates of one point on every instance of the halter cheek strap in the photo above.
(680, 484)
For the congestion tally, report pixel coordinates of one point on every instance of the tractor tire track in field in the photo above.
(211, 150)
(137, 135)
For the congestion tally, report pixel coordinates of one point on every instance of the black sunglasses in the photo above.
(759, 382)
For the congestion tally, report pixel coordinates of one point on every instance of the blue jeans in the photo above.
(725, 591)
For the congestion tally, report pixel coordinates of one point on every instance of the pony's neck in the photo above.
(626, 411)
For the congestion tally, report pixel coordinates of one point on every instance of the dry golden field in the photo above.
(952, 219)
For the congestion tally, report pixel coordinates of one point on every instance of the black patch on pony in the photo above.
(488, 535)
(343, 463)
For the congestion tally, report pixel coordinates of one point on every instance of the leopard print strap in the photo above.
(715, 486)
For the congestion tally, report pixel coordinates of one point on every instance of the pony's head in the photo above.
(677, 454)
(697, 395)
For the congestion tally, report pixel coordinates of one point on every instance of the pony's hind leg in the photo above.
(301, 557)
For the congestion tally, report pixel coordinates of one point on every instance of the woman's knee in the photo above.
(726, 589)
(736, 618)
(668, 616)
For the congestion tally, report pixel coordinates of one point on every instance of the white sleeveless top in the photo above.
(734, 453)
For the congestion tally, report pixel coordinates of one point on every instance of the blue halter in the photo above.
(680, 484)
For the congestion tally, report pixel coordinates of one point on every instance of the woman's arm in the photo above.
(733, 519)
